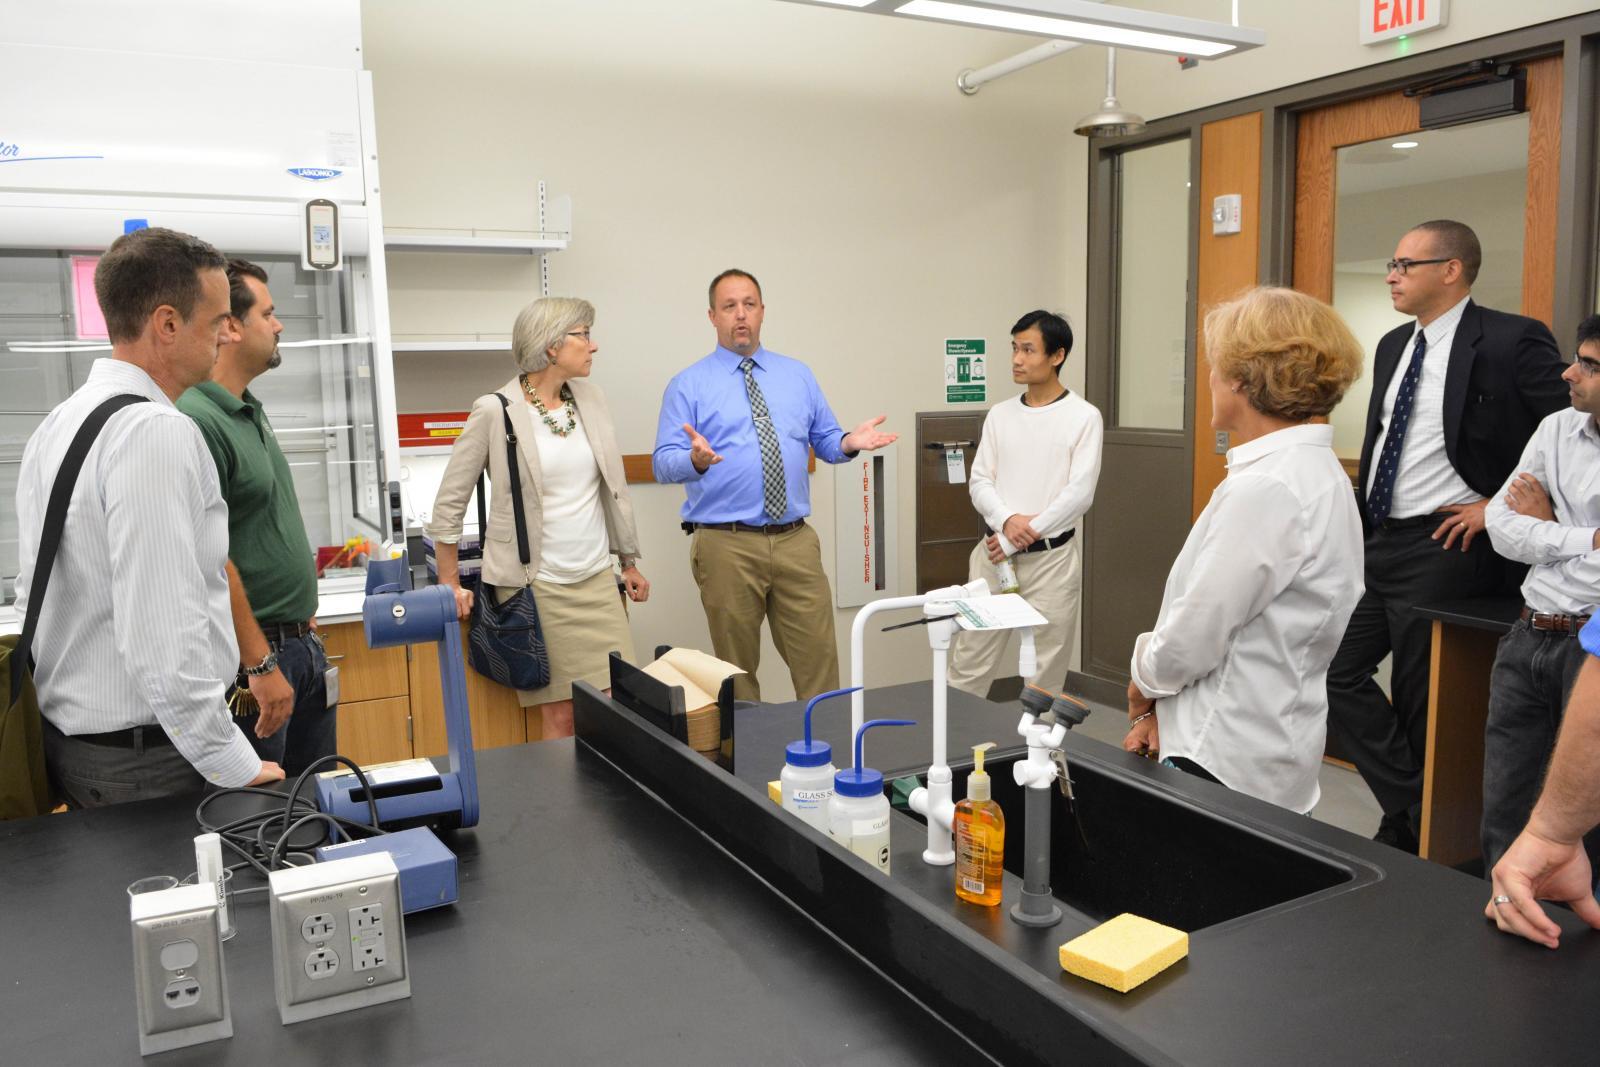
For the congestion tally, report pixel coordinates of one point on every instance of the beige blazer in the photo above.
(482, 444)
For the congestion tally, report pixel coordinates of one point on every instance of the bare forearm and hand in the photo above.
(467, 460)
(272, 692)
(1548, 861)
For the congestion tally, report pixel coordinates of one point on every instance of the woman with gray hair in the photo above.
(575, 503)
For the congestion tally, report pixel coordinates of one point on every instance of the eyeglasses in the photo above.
(1589, 367)
(1401, 266)
(579, 333)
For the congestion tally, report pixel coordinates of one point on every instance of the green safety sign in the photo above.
(965, 375)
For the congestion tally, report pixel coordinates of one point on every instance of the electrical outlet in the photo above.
(349, 910)
(321, 964)
(317, 928)
(180, 984)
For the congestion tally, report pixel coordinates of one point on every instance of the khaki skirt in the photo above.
(583, 624)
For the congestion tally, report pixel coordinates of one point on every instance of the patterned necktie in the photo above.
(774, 494)
(1381, 499)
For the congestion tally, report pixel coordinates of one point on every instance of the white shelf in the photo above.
(531, 244)
(449, 345)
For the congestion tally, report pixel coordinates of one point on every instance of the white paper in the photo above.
(1006, 611)
(955, 462)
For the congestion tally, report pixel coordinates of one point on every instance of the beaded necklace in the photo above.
(569, 406)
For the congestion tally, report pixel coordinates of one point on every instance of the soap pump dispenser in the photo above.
(980, 837)
(858, 814)
(806, 782)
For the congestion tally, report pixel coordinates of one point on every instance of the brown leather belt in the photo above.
(277, 633)
(1552, 623)
(743, 527)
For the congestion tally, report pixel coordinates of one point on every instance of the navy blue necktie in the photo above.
(1381, 499)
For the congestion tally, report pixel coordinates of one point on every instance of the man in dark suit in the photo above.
(1455, 397)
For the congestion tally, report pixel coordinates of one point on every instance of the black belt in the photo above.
(135, 737)
(1549, 622)
(1045, 544)
(1415, 521)
(277, 633)
(743, 527)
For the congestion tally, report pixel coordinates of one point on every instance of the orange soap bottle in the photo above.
(980, 833)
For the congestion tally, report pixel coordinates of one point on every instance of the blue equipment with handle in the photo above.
(396, 615)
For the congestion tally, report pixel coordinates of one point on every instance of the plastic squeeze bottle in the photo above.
(806, 782)
(858, 814)
(980, 833)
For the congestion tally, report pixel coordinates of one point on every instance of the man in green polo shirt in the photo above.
(271, 569)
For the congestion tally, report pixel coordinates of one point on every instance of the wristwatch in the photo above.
(626, 561)
(268, 664)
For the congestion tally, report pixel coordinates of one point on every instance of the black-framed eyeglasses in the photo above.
(1589, 367)
(1401, 266)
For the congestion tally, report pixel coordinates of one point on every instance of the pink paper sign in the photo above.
(91, 323)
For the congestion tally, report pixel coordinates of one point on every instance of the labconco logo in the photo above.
(315, 174)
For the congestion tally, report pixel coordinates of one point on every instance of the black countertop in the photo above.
(594, 926)
(1398, 966)
(1493, 613)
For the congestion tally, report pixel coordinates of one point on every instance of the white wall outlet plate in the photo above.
(338, 936)
(179, 981)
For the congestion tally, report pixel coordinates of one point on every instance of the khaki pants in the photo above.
(1050, 582)
(745, 577)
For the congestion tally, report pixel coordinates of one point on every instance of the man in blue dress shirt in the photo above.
(736, 428)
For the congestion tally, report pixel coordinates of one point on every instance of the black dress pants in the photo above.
(1405, 569)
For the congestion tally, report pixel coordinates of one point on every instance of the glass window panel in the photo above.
(1476, 174)
(1153, 286)
(322, 400)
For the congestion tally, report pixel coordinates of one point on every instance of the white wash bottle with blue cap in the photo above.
(858, 814)
(806, 782)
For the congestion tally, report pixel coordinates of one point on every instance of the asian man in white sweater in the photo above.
(1032, 479)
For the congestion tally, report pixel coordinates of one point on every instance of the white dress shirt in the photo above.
(1041, 461)
(1564, 454)
(1252, 614)
(136, 628)
(1426, 482)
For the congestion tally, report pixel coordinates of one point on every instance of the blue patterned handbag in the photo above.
(506, 642)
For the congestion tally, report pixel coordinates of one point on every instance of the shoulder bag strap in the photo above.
(516, 480)
(55, 522)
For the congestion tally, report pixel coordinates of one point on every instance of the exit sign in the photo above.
(1386, 20)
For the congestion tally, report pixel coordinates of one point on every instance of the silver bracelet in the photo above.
(1139, 719)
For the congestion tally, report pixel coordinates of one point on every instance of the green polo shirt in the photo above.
(266, 536)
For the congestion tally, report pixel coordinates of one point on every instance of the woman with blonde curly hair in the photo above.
(576, 511)
(1231, 685)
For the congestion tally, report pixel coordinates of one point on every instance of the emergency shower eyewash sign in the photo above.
(966, 378)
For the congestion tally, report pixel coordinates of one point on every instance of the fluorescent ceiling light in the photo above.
(1106, 24)
(847, 3)
(1404, 144)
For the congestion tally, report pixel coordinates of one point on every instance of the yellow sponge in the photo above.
(775, 792)
(1124, 952)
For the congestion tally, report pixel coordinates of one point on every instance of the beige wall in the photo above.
(830, 154)
(826, 151)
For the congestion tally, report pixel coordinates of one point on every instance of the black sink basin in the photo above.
(1157, 853)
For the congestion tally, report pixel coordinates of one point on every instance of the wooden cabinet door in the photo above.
(375, 731)
(364, 673)
(497, 718)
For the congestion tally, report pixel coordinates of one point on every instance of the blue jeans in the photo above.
(310, 732)
(1528, 689)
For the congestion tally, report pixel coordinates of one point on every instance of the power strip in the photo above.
(338, 936)
(179, 981)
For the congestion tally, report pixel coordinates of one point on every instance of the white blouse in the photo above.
(574, 543)
(1253, 612)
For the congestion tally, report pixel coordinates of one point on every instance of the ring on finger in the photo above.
(1499, 900)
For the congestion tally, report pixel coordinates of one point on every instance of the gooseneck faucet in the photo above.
(935, 801)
